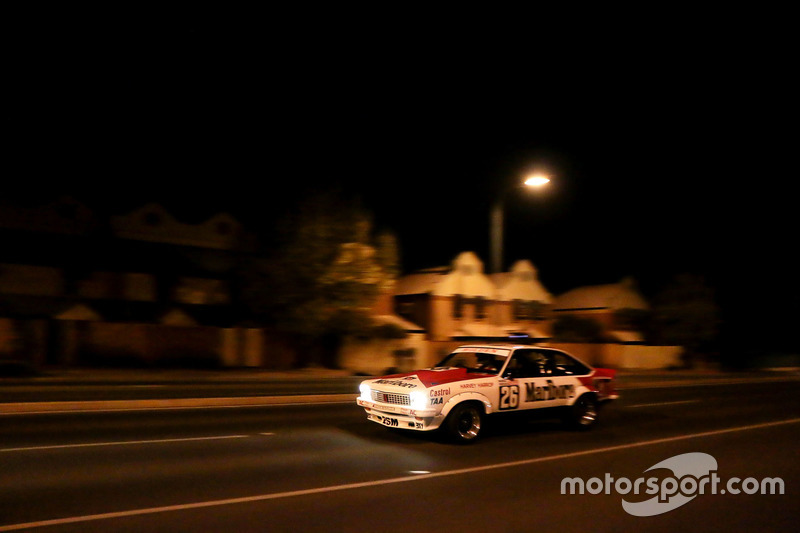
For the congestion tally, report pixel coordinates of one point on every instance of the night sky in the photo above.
(665, 144)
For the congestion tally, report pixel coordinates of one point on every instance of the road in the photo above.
(323, 467)
(148, 388)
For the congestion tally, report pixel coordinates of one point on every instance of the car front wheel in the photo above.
(465, 422)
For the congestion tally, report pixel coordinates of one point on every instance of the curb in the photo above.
(171, 403)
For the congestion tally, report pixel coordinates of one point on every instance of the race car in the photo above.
(479, 380)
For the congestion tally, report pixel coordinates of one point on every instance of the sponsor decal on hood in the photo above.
(429, 378)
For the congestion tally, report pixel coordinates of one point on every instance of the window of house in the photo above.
(522, 310)
(517, 309)
(458, 306)
(480, 307)
(538, 311)
(405, 309)
(528, 310)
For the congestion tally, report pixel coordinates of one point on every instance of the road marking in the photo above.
(380, 482)
(119, 443)
(658, 404)
(111, 406)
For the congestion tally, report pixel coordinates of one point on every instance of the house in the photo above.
(460, 303)
(152, 223)
(393, 344)
(619, 343)
(603, 304)
(450, 302)
(521, 301)
(75, 285)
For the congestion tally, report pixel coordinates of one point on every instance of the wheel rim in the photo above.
(588, 414)
(469, 424)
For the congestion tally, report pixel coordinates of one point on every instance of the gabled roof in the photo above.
(79, 311)
(420, 283)
(153, 223)
(521, 283)
(466, 278)
(407, 326)
(622, 295)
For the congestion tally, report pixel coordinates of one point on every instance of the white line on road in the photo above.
(658, 404)
(119, 443)
(114, 406)
(376, 483)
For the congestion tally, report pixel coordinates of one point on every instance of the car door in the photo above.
(537, 381)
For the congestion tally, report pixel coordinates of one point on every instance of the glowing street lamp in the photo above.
(496, 222)
(537, 180)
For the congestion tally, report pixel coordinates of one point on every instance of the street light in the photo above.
(496, 222)
(537, 180)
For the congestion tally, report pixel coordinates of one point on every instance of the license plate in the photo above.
(391, 422)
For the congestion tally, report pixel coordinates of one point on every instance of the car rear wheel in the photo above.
(584, 413)
(465, 422)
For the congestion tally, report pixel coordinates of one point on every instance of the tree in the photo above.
(323, 277)
(686, 314)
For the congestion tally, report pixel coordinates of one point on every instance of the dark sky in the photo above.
(666, 143)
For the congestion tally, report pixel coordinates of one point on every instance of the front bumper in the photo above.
(401, 417)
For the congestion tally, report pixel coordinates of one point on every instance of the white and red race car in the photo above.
(479, 380)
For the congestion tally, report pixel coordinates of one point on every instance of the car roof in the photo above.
(511, 346)
(508, 346)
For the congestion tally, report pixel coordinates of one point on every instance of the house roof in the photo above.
(627, 337)
(423, 283)
(79, 311)
(622, 295)
(410, 327)
(465, 277)
(521, 283)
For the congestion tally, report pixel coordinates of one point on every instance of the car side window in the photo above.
(564, 365)
(533, 363)
(527, 364)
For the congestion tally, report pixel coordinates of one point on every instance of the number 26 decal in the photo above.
(509, 397)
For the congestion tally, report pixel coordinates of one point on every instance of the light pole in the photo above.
(496, 222)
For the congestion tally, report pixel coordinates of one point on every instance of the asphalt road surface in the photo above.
(27, 391)
(325, 468)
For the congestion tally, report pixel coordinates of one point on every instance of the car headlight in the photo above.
(366, 392)
(418, 400)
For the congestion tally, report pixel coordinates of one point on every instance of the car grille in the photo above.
(390, 397)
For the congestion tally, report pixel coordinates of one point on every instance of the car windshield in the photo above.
(485, 363)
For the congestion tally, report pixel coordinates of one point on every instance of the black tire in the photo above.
(464, 424)
(584, 413)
